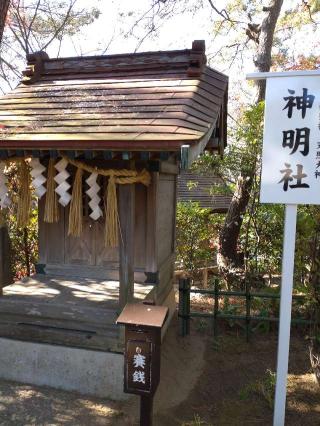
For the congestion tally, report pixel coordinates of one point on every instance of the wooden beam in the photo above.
(164, 156)
(145, 155)
(127, 225)
(189, 153)
(127, 155)
(53, 153)
(168, 168)
(89, 155)
(35, 153)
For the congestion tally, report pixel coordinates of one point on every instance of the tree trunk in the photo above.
(262, 60)
(228, 257)
(4, 4)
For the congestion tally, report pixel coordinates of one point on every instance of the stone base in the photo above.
(170, 302)
(85, 371)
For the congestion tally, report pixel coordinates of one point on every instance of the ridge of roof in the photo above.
(192, 60)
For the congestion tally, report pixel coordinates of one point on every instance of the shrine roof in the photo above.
(154, 100)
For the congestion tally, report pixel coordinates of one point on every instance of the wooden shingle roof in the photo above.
(198, 188)
(153, 100)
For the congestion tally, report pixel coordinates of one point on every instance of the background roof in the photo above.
(198, 188)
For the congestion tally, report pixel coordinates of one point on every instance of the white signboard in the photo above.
(290, 176)
(291, 142)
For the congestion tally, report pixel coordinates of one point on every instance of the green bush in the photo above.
(195, 234)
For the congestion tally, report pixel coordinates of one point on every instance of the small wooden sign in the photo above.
(138, 373)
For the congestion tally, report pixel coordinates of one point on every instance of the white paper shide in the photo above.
(93, 193)
(62, 181)
(38, 180)
(5, 200)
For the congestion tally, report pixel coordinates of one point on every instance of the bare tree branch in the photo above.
(62, 25)
(224, 14)
(33, 18)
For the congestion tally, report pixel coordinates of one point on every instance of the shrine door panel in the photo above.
(80, 250)
(104, 256)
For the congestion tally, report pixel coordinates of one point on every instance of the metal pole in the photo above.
(285, 313)
(146, 410)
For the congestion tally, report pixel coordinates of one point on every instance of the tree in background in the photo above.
(242, 31)
(36, 25)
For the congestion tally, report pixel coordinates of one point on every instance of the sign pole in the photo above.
(146, 410)
(285, 312)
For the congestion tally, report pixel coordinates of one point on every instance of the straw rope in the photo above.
(51, 213)
(122, 176)
(51, 210)
(112, 222)
(111, 235)
(76, 206)
(24, 195)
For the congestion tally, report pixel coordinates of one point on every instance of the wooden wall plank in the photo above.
(51, 237)
(166, 216)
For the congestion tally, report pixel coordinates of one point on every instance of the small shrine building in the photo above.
(99, 142)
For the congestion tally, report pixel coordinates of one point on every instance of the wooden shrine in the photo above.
(100, 141)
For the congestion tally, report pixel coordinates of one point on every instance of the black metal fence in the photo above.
(185, 312)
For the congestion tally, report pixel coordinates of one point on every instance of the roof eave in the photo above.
(116, 145)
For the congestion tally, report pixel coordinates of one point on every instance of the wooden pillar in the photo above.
(151, 234)
(126, 237)
(6, 277)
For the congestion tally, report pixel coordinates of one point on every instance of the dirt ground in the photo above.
(204, 382)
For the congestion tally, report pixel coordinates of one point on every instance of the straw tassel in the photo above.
(76, 206)
(51, 211)
(112, 218)
(5, 200)
(24, 196)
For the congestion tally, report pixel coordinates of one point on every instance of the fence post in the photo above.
(216, 307)
(187, 313)
(184, 306)
(248, 307)
(248, 315)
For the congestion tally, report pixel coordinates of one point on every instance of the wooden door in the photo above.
(80, 250)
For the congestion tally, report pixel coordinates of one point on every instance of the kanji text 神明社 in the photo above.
(297, 139)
